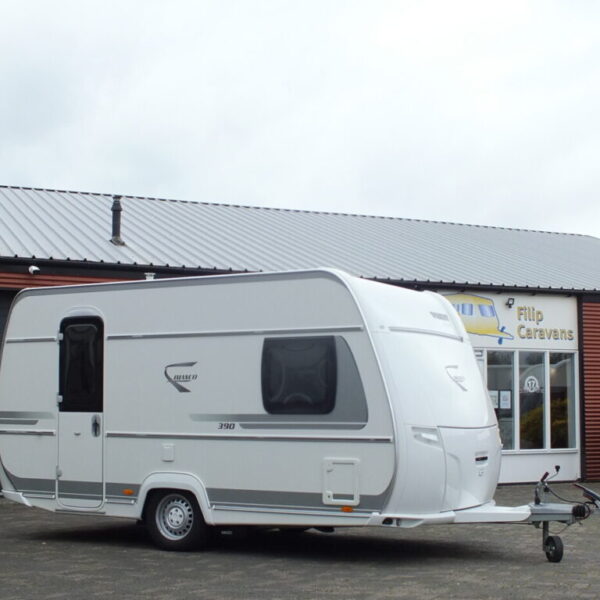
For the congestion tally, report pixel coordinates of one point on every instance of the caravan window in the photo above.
(81, 365)
(299, 375)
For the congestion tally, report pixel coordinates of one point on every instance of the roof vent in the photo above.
(116, 209)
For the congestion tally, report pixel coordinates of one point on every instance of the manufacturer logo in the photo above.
(176, 375)
(458, 379)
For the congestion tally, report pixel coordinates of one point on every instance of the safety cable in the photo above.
(586, 505)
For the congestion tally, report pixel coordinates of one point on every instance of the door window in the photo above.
(81, 364)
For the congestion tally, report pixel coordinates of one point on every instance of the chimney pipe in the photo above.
(116, 209)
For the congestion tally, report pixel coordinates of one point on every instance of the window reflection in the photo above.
(531, 389)
(500, 386)
(562, 400)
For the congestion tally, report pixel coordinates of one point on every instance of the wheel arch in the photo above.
(176, 481)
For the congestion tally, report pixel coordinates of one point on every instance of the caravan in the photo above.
(298, 399)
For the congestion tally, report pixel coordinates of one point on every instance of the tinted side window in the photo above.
(299, 375)
(81, 364)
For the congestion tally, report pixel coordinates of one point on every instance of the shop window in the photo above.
(525, 409)
(562, 400)
(531, 401)
(500, 370)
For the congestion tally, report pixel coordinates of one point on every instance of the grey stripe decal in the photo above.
(45, 495)
(22, 417)
(27, 432)
(74, 496)
(31, 339)
(351, 518)
(265, 418)
(72, 489)
(92, 510)
(31, 484)
(426, 332)
(80, 489)
(297, 500)
(265, 421)
(115, 490)
(36, 486)
(233, 332)
(25, 414)
(261, 438)
(284, 425)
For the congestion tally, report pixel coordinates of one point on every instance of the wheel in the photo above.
(175, 522)
(554, 548)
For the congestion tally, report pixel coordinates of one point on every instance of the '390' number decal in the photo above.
(227, 426)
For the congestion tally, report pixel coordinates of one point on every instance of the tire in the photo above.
(554, 548)
(175, 522)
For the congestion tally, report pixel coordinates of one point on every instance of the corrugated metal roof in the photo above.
(62, 225)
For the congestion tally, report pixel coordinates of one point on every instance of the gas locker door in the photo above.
(340, 481)
(81, 420)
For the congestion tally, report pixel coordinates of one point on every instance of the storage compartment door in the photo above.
(340, 481)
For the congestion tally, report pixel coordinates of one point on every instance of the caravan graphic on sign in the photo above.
(479, 315)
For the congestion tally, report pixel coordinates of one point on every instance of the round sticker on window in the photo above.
(531, 384)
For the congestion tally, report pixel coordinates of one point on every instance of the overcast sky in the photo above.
(474, 112)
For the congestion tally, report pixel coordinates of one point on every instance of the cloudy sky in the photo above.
(466, 111)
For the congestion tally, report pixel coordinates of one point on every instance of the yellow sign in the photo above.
(479, 315)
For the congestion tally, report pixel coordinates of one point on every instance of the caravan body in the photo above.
(288, 399)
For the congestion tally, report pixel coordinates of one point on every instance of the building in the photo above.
(530, 300)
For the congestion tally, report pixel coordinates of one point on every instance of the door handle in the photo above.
(96, 425)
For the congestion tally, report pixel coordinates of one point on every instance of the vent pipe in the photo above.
(116, 209)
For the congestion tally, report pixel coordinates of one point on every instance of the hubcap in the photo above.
(174, 516)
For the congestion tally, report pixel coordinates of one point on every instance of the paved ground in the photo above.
(43, 555)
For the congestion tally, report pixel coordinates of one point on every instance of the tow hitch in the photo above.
(567, 512)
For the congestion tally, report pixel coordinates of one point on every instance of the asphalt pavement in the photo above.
(52, 556)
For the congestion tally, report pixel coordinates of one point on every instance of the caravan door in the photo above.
(80, 414)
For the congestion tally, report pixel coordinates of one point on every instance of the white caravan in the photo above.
(299, 399)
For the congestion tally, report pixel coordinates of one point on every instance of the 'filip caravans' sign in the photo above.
(518, 321)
